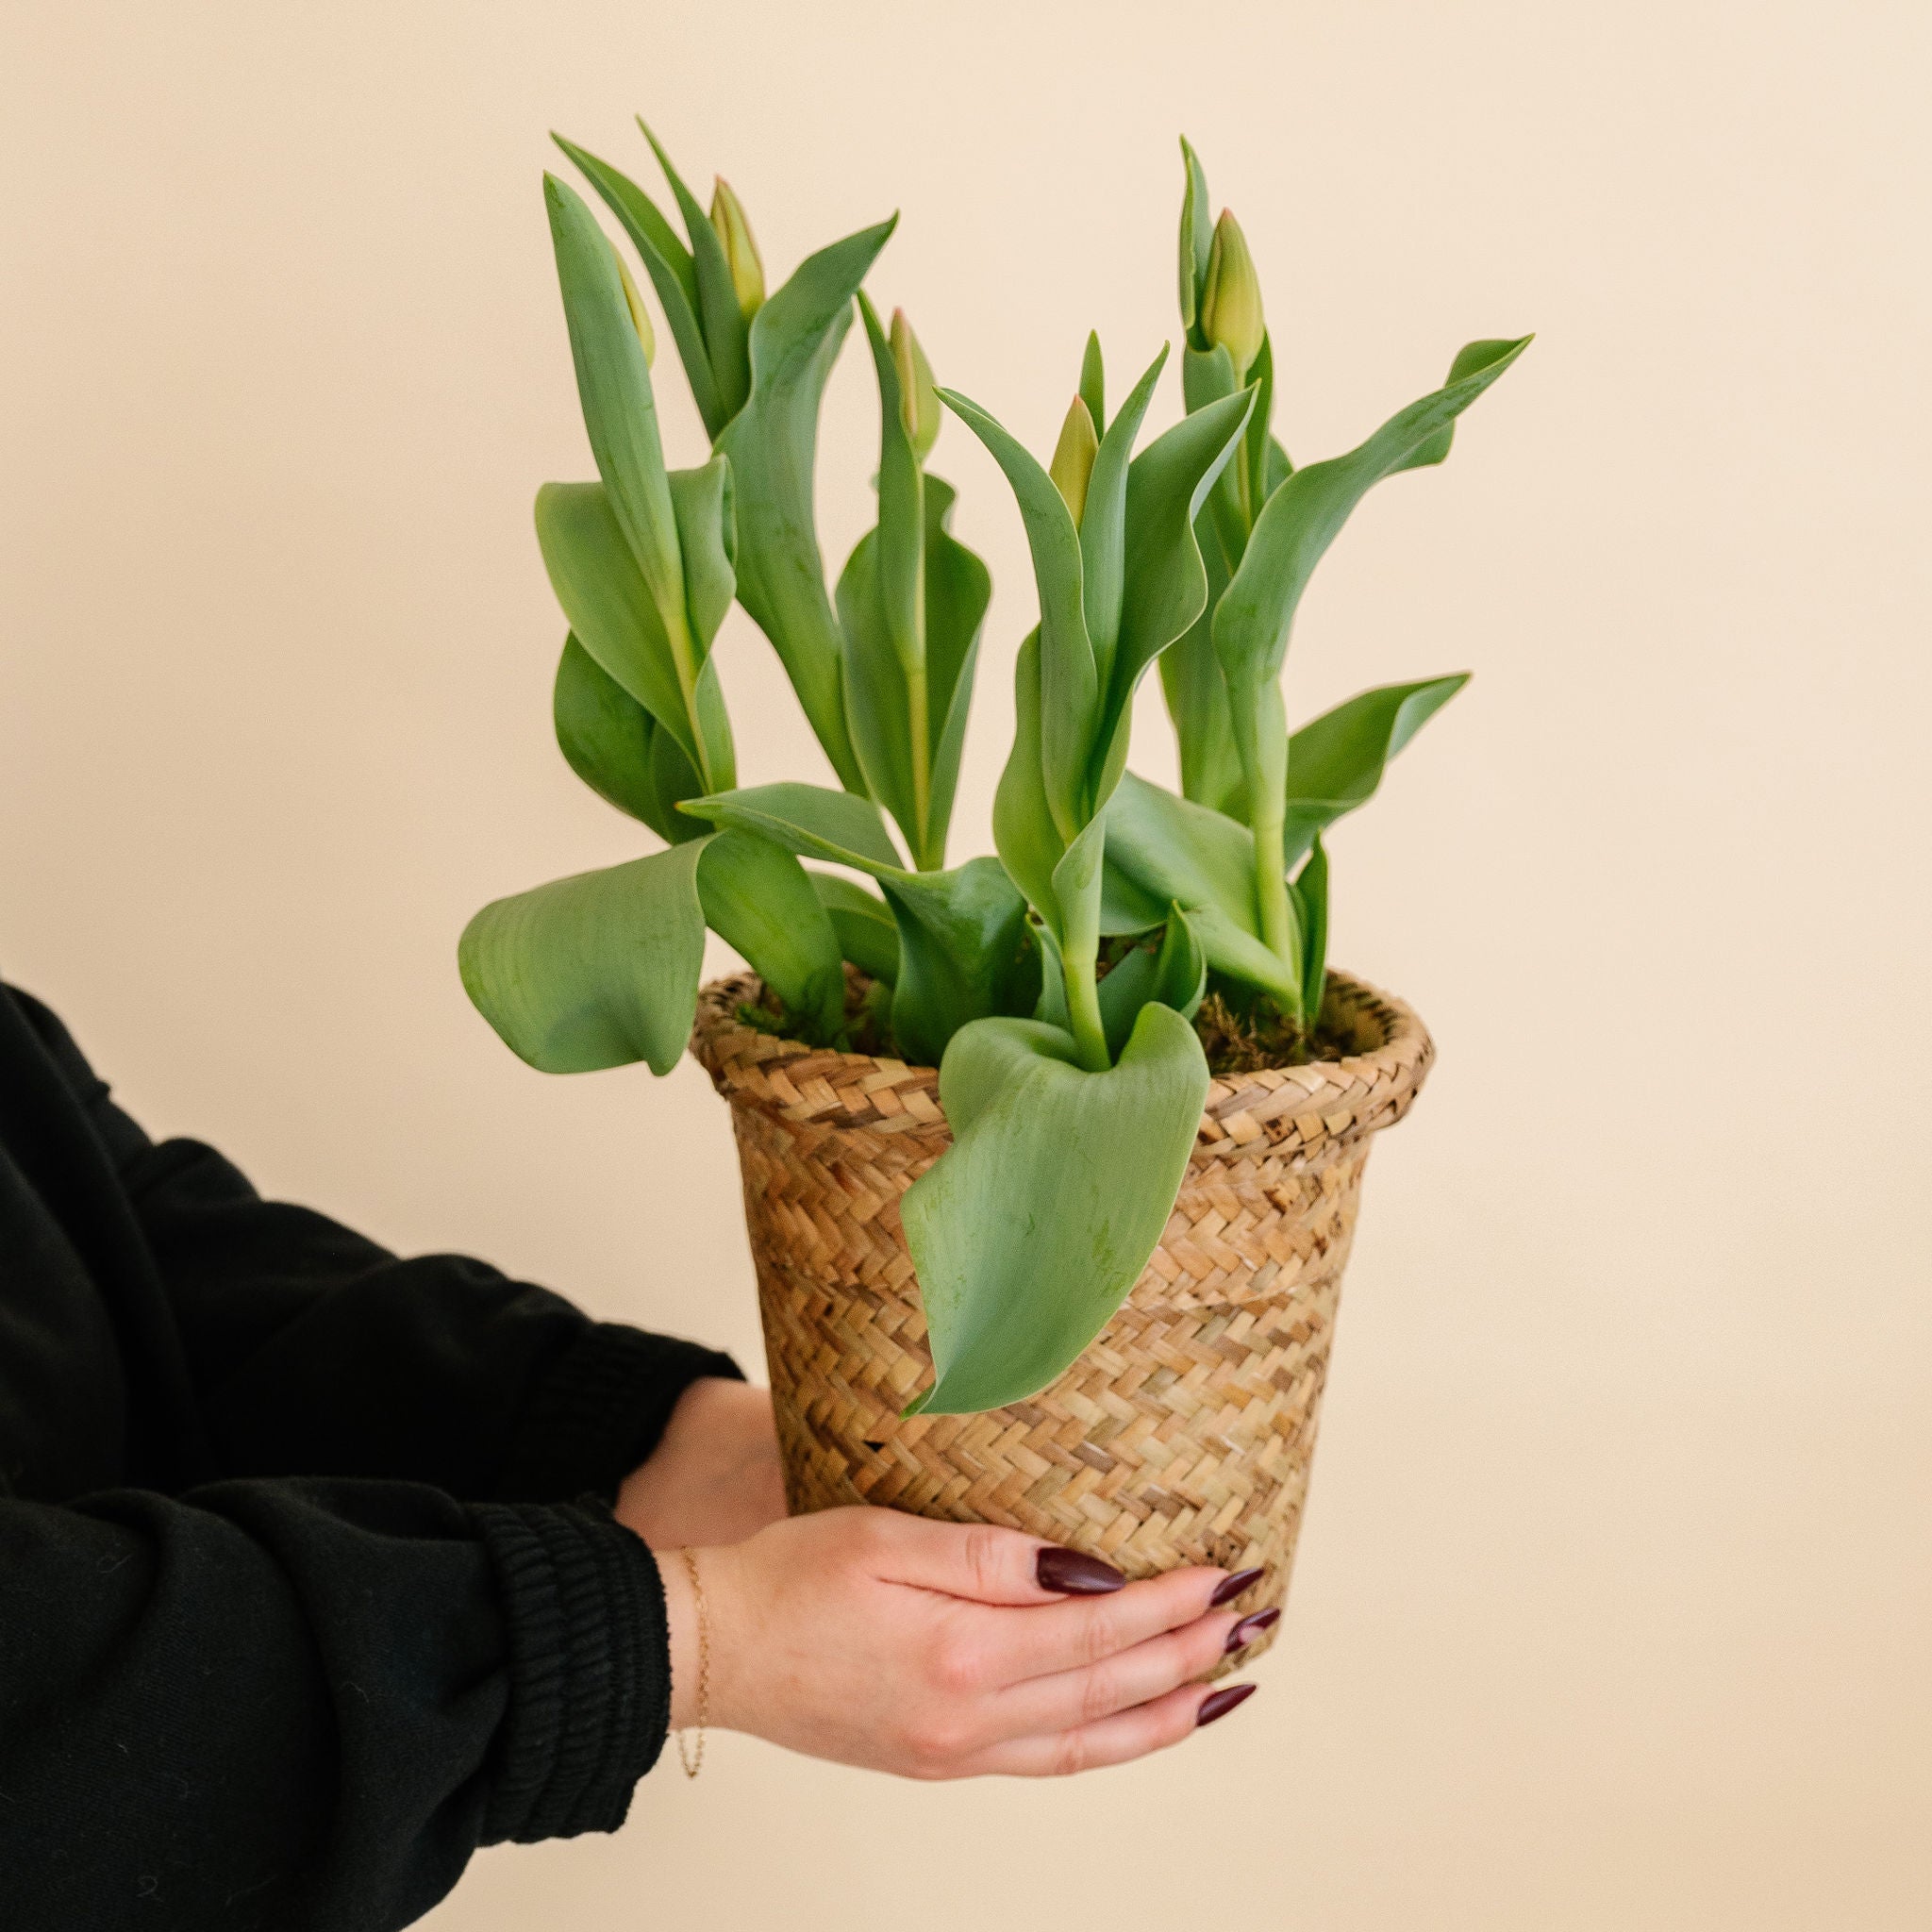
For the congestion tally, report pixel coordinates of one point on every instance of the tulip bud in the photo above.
(740, 251)
(919, 395)
(640, 315)
(1231, 299)
(1073, 457)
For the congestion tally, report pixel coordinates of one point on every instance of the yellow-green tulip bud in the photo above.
(919, 395)
(1231, 299)
(740, 251)
(1073, 457)
(640, 315)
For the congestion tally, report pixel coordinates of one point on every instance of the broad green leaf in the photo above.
(761, 901)
(1093, 382)
(721, 318)
(668, 262)
(617, 749)
(614, 387)
(1069, 686)
(863, 921)
(614, 617)
(773, 444)
(1305, 515)
(1174, 850)
(809, 819)
(1175, 972)
(1028, 1233)
(595, 970)
(1312, 914)
(609, 606)
(1103, 523)
(964, 954)
(1335, 761)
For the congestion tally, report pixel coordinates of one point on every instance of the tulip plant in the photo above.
(1056, 985)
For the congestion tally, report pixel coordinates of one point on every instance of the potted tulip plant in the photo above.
(1051, 1157)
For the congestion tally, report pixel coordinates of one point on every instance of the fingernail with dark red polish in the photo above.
(1072, 1572)
(1219, 1703)
(1249, 1628)
(1227, 1592)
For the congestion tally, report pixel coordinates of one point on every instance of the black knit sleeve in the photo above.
(302, 1705)
(313, 1351)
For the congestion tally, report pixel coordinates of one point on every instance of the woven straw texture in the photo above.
(1184, 1434)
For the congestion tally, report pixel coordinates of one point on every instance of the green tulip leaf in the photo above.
(612, 614)
(1304, 516)
(614, 387)
(617, 749)
(958, 588)
(1023, 832)
(1335, 762)
(809, 819)
(595, 970)
(1093, 382)
(1031, 1229)
(1197, 240)
(773, 444)
(1311, 902)
(1103, 523)
(965, 954)
(1175, 851)
(668, 262)
(762, 902)
(1197, 702)
(1166, 580)
(863, 923)
(1172, 973)
(722, 321)
(1069, 684)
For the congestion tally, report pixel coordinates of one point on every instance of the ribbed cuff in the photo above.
(600, 1411)
(590, 1670)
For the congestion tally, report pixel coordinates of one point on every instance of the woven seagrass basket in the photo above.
(1184, 1434)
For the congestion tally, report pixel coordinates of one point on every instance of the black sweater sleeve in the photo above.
(314, 1352)
(300, 1706)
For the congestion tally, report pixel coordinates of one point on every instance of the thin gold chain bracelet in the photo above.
(692, 1756)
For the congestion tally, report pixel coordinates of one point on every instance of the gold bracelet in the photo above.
(692, 1756)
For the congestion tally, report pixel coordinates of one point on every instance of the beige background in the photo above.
(1614, 1597)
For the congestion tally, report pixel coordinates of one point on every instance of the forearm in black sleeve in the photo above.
(302, 1705)
(315, 1352)
(319, 1353)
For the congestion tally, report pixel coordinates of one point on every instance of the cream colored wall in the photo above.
(1613, 1602)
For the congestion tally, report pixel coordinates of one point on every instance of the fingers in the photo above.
(1142, 1673)
(1077, 1631)
(978, 1561)
(1116, 1739)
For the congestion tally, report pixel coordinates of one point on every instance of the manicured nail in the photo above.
(1072, 1572)
(1219, 1703)
(1227, 1593)
(1249, 1628)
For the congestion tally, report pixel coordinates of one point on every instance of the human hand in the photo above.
(714, 1476)
(934, 1651)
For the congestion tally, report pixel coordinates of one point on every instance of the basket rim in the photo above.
(1331, 1100)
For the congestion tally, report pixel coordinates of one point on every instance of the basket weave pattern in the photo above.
(1184, 1433)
